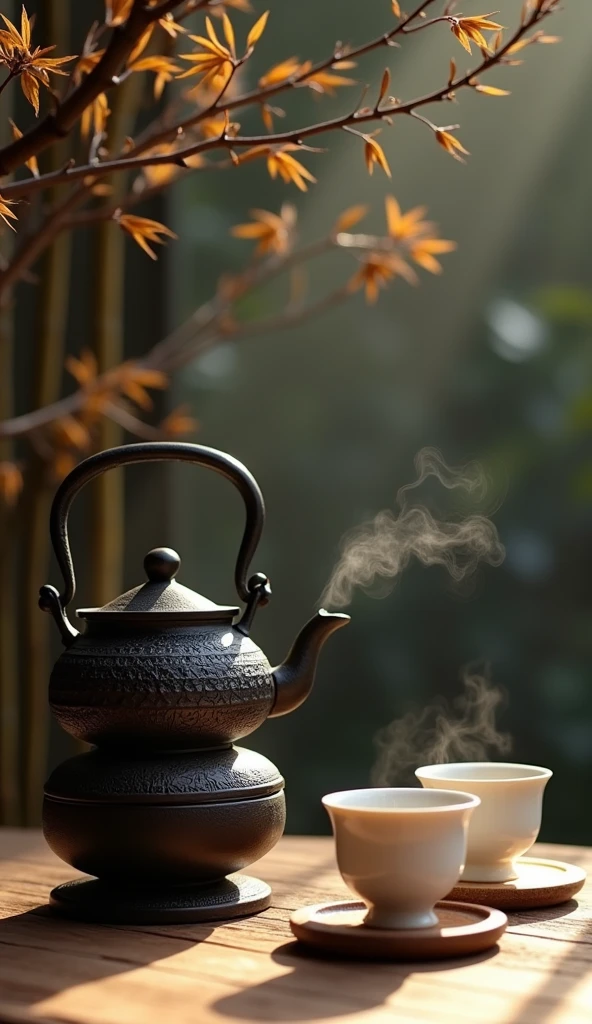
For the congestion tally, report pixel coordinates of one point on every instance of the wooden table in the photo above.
(251, 970)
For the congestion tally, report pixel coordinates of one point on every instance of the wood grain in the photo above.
(252, 970)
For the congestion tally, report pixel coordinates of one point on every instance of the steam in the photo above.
(383, 546)
(439, 734)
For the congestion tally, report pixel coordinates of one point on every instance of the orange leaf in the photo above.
(31, 163)
(491, 90)
(350, 217)
(386, 81)
(451, 144)
(11, 482)
(144, 230)
(257, 30)
(179, 422)
(396, 8)
(84, 369)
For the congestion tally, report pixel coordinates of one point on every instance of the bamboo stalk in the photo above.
(10, 794)
(10, 782)
(108, 508)
(48, 361)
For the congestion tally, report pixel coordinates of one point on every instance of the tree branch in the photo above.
(365, 115)
(60, 122)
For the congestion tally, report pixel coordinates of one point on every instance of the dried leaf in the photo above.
(349, 218)
(6, 212)
(11, 482)
(257, 30)
(117, 11)
(374, 154)
(451, 144)
(228, 32)
(396, 9)
(452, 73)
(84, 369)
(491, 90)
(179, 422)
(386, 81)
(144, 230)
(31, 163)
(70, 431)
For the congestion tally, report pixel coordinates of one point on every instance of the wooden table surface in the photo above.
(251, 970)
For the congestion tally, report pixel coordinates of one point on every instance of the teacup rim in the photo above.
(429, 771)
(330, 801)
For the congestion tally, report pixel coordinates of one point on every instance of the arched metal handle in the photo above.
(254, 591)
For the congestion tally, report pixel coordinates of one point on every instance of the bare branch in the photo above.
(365, 115)
(61, 121)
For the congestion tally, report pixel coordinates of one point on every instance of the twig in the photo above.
(61, 121)
(18, 189)
(39, 241)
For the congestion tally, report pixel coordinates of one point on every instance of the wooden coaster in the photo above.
(463, 929)
(541, 883)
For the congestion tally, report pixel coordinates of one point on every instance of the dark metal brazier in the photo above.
(165, 809)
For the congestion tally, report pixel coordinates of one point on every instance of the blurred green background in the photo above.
(492, 361)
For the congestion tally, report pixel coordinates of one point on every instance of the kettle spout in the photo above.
(294, 678)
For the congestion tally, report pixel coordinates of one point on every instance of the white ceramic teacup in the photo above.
(400, 850)
(506, 824)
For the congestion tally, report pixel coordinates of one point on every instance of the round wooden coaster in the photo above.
(339, 928)
(541, 883)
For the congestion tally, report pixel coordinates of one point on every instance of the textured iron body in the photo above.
(164, 682)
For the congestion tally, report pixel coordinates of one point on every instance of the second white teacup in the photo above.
(506, 824)
(400, 850)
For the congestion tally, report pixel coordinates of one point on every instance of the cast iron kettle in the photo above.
(164, 810)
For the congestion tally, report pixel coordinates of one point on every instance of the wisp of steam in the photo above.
(438, 734)
(382, 547)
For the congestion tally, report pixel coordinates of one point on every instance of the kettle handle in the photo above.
(255, 591)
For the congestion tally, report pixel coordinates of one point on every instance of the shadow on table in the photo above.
(313, 990)
(68, 953)
(565, 974)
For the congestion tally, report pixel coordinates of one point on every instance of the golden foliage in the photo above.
(327, 81)
(84, 369)
(396, 8)
(491, 90)
(472, 29)
(257, 30)
(144, 230)
(31, 66)
(6, 212)
(214, 58)
(133, 380)
(95, 116)
(349, 218)
(374, 154)
(451, 144)
(156, 175)
(272, 231)
(11, 482)
(117, 11)
(323, 81)
(282, 72)
(31, 163)
(424, 250)
(179, 422)
(376, 270)
(404, 225)
(280, 162)
(408, 236)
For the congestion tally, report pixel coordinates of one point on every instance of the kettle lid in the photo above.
(161, 596)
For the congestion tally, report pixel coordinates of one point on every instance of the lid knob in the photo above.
(161, 565)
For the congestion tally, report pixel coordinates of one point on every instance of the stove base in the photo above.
(106, 903)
